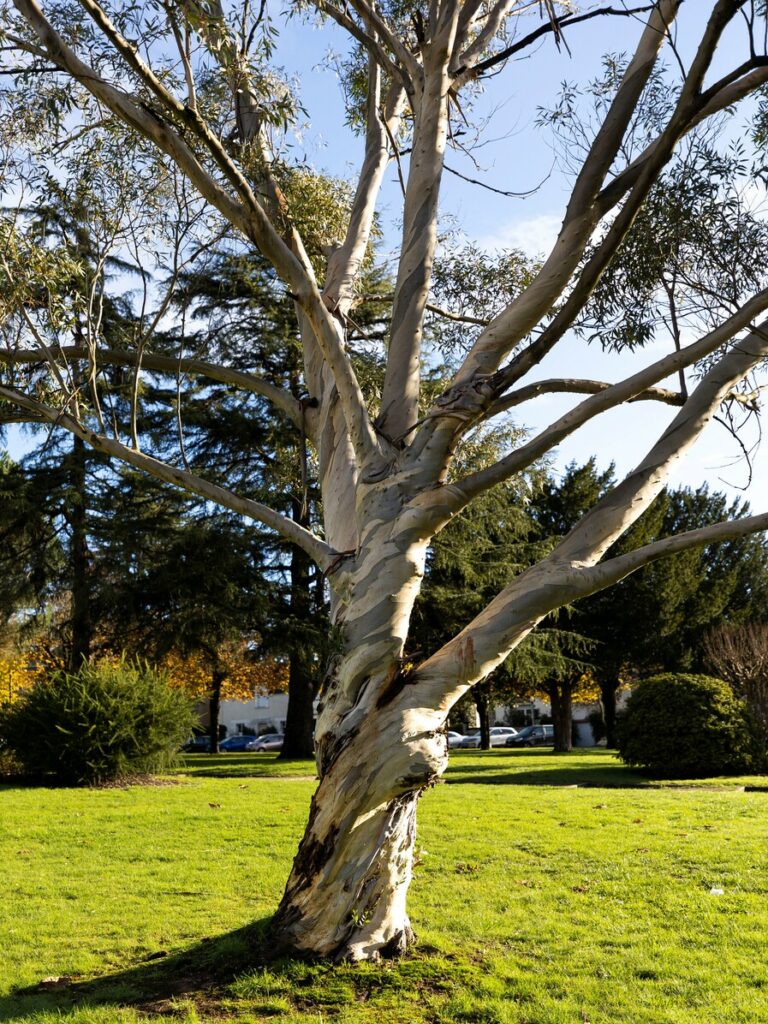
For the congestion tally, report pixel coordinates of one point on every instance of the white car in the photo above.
(455, 739)
(499, 736)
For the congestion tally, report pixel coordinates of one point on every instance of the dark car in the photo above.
(532, 736)
(234, 744)
(198, 745)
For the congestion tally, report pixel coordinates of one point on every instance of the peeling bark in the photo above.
(346, 895)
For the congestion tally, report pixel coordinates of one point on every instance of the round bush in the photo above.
(102, 723)
(686, 726)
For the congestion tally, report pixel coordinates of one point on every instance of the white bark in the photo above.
(400, 394)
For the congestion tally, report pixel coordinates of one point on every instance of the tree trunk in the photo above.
(82, 630)
(214, 708)
(375, 754)
(346, 895)
(299, 718)
(561, 701)
(483, 705)
(608, 699)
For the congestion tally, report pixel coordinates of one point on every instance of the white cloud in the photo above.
(534, 235)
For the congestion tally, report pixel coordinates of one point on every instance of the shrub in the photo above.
(104, 722)
(686, 726)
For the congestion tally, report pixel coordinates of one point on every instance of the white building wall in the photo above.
(261, 714)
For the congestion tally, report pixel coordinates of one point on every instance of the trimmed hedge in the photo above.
(686, 726)
(100, 724)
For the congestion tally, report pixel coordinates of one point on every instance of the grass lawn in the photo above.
(547, 891)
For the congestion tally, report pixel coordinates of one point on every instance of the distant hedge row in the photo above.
(103, 723)
(688, 726)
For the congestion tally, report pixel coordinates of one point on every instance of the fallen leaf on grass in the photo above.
(214, 805)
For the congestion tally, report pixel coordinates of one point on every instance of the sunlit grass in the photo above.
(534, 902)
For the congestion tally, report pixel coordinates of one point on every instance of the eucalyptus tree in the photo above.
(193, 83)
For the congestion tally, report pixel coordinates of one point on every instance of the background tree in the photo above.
(739, 654)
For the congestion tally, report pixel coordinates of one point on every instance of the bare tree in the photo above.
(739, 654)
(385, 460)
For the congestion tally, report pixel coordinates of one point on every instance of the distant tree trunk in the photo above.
(299, 730)
(561, 702)
(214, 708)
(608, 691)
(299, 718)
(483, 705)
(82, 630)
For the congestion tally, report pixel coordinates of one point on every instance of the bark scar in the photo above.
(394, 684)
(466, 658)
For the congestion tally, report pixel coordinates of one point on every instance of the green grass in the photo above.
(534, 902)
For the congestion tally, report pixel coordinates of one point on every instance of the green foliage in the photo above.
(686, 726)
(468, 282)
(104, 722)
(695, 246)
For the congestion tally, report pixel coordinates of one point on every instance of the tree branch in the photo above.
(611, 397)
(344, 264)
(323, 554)
(581, 215)
(252, 220)
(713, 101)
(379, 28)
(558, 24)
(370, 43)
(607, 520)
(605, 574)
(170, 365)
(402, 378)
(576, 386)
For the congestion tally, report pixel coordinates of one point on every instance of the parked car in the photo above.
(269, 741)
(235, 743)
(499, 735)
(197, 745)
(455, 739)
(532, 736)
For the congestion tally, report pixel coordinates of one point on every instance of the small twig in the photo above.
(498, 191)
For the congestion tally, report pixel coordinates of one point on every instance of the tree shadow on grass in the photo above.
(569, 774)
(201, 973)
(245, 766)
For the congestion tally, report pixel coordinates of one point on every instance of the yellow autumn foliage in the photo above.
(243, 679)
(20, 670)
